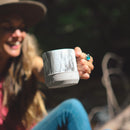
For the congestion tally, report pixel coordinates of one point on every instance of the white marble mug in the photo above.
(60, 68)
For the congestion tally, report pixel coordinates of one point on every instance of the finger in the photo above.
(78, 52)
(85, 76)
(90, 65)
(84, 56)
(81, 55)
(85, 65)
(91, 59)
(84, 69)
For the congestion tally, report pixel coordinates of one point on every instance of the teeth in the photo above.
(13, 43)
(17, 43)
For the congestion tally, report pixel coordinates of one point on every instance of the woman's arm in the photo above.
(84, 67)
(38, 68)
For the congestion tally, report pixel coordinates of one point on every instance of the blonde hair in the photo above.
(21, 93)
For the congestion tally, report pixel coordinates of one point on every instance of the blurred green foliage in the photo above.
(95, 26)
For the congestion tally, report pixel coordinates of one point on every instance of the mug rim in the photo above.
(62, 49)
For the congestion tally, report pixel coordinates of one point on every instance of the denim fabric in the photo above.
(69, 115)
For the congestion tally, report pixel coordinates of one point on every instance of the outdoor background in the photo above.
(98, 27)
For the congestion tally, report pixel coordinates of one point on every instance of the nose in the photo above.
(18, 35)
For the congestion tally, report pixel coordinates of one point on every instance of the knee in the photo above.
(74, 108)
(73, 104)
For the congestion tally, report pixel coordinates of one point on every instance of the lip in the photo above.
(15, 46)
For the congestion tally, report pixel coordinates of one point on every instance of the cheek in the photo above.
(3, 39)
(12, 52)
(2, 48)
(24, 34)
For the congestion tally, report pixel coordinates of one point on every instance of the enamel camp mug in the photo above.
(60, 68)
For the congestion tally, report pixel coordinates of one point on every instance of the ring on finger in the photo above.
(88, 57)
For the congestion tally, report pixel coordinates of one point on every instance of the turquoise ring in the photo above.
(88, 57)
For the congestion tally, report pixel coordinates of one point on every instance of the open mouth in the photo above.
(14, 45)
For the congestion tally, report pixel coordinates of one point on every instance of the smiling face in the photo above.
(12, 34)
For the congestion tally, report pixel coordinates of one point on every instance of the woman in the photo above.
(21, 67)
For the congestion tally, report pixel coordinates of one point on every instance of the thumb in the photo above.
(78, 52)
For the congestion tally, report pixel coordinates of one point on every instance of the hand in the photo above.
(84, 67)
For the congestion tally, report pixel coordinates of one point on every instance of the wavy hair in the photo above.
(21, 93)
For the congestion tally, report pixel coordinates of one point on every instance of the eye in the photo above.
(12, 28)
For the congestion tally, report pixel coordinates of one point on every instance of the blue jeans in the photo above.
(69, 115)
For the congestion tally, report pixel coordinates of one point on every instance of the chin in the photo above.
(15, 54)
(12, 52)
